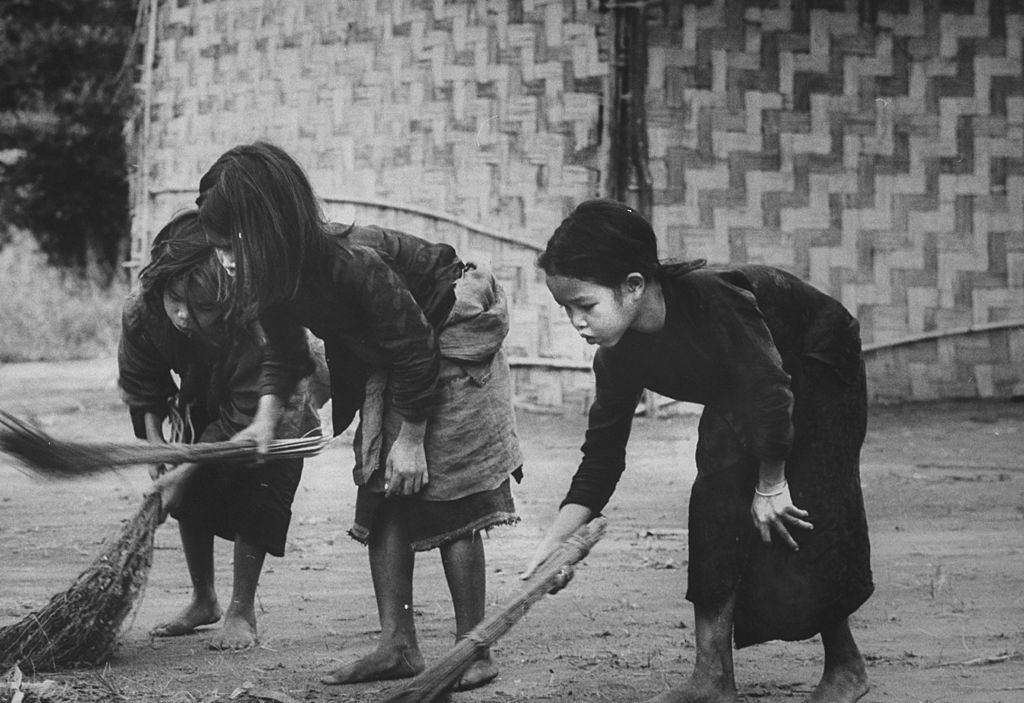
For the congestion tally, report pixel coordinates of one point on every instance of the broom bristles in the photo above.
(43, 456)
(80, 626)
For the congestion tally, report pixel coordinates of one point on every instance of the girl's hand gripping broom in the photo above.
(44, 456)
(554, 572)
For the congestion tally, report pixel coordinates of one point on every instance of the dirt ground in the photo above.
(944, 487)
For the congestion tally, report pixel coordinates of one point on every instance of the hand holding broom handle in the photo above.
(44, 456)
(553, 572)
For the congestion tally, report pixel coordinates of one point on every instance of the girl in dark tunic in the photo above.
(173, 324)
(777, 533)
(413, 339)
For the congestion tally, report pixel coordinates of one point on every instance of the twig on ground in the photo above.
(984, 661)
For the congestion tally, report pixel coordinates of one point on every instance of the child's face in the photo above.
(200, 318)
(600, 314)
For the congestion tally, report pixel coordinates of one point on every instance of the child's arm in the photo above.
(171, 487)
(144, 373)
(263, 425)
(570, 518)
(406, 467)
(154, 425)
(772, 508)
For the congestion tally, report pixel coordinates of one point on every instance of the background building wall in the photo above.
(881, 163)
(884, 163)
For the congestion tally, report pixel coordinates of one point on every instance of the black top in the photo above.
(376, 297)
(219, 383)
(730, 335)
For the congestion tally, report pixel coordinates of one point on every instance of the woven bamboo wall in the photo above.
(485, 111)
(885, 165)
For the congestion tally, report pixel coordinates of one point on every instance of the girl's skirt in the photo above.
(781, 593)
(251, 501)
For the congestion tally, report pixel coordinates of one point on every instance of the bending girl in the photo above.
(778, 539)
(174, 322)
(413, 339)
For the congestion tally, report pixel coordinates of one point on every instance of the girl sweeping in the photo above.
(777, 534)
(413, 338)
(174, 323)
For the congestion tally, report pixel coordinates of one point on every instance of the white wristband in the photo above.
(779, 492)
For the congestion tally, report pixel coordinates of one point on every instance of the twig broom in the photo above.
(434, 682)
(79, 627)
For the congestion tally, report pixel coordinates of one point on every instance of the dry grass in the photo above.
(47, 315)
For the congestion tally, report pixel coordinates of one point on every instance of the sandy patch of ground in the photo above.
(944, 486)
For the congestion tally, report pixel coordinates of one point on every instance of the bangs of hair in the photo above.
(179, 246)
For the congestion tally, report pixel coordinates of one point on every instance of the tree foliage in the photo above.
(65, 73)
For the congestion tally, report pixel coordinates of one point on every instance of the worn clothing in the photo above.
(149, 352)
(776, 364)
(470, 441)
(413, 334)
(218, 397)
(433, 523)
(240, 499)
(376, 297)
(218, 384)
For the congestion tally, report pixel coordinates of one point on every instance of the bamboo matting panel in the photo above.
(485, 110)
(885, 165)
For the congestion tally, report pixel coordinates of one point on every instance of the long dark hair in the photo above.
(182, 253)
(256, 200)
(603, 241)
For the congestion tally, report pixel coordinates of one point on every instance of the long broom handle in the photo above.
(438, 678)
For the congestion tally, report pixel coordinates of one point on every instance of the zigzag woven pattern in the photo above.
(485, 110)
(884, 164)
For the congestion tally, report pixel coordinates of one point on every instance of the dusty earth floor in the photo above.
(944, 486)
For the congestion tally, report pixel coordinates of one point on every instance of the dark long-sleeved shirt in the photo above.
(376, 297)
(149, 351)
(730, 335)
(220, 385)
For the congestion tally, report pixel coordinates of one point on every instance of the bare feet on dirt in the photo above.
(383, 664)
(239, 632)
(185, 623)
(841, 685)
(479, 673)
(696, 693)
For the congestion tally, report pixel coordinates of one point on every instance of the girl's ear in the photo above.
(635, 283)
(226, 257)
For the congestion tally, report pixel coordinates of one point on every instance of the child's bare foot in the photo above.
(383, 664)
(841, 685)
(239, 632)
(479, 673)
(185, 623)
(694, 692)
